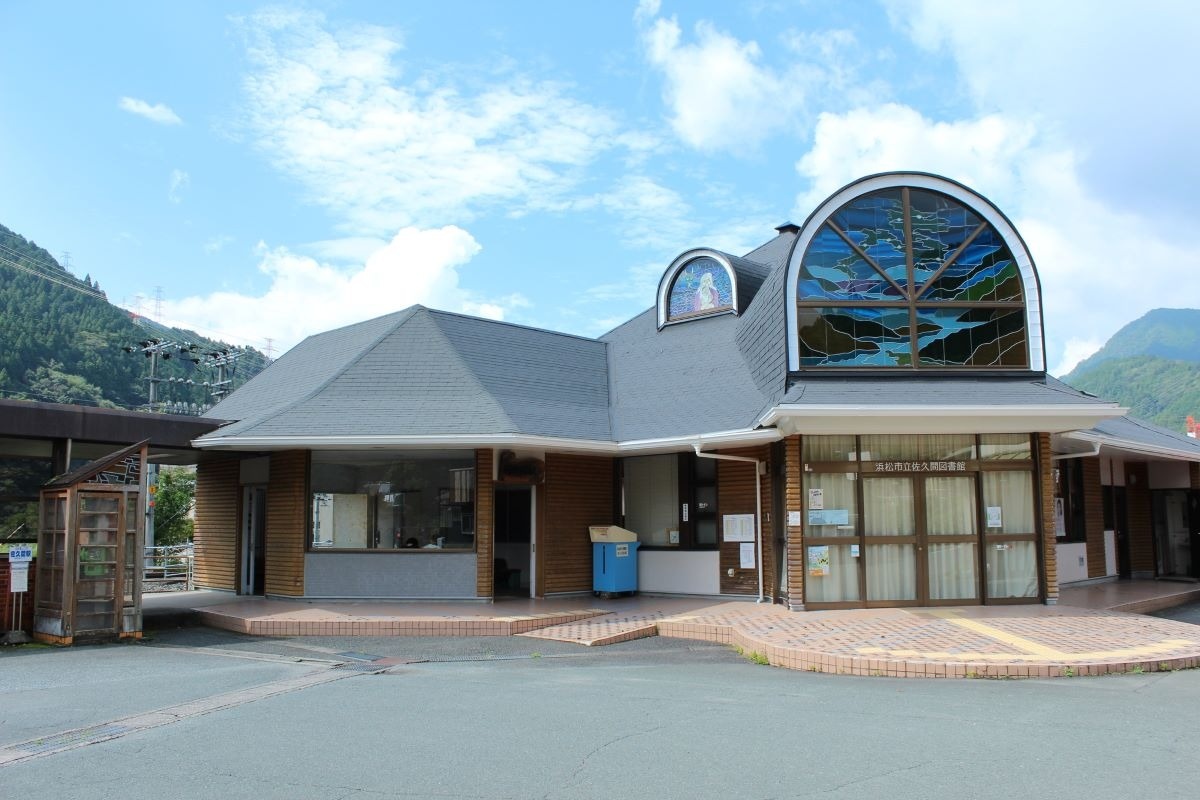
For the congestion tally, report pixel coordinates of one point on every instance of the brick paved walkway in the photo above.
(976, 641)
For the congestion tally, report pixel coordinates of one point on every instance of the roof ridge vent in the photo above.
(788, 227)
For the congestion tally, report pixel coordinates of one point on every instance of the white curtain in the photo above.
(952, 571)
(1012, 494)
(888, 511)
(841, 582)
(1012, 569)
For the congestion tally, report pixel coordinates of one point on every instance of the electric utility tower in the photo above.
(153, 349)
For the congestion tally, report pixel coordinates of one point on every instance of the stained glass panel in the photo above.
(703, 286)
(974, 337)
(833, 270)
(986, 271)
(983, 270)
(876, 224)
(856, 336)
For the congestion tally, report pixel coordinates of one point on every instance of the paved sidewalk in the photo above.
(965, 642)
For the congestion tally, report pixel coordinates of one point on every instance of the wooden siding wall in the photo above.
(485, 524)
(1194, 474)
(1046, 496)
(793, 502)
(578, 493)
(1093, 516)
(287, 523)
(216, 532)
(736, 495)
(1141, 530)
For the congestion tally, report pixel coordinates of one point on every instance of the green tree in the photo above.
(173, 504)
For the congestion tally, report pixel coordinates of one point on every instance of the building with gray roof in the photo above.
(854, 413)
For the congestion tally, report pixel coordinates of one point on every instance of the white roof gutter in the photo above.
(1100, 440)
(452, 441)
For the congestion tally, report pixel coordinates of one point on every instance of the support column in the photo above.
(1046, 501)
(485, 529)
(793, 503)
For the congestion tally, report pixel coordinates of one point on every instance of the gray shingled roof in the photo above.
(684, 380)
(433, 372)
(1131, 429)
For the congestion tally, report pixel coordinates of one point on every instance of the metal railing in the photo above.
(167, 568)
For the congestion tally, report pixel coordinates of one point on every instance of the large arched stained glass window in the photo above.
(909, 277)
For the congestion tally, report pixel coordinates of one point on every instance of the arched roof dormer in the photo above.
(704, 283)
(908, 270)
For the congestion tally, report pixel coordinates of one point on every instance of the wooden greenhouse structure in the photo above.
(92, 525)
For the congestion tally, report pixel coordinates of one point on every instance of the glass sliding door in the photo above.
(951, 538)
(890, 533)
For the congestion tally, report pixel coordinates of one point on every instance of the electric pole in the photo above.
(153, 349)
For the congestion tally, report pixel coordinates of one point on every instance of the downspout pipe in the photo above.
(757, 506)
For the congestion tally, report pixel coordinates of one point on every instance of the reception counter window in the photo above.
(391, 501)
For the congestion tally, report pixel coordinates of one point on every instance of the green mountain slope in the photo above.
(62, 341)
(1152, 365)
(1161, 390)
(1170, 333)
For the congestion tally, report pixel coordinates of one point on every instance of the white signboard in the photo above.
(795, 518)
(18, 577)
(738, 527)
(747, 555)
(622, 550)
(816, 499)
(20, 552)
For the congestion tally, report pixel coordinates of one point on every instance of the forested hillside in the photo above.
(62, 341)
(1152, 365)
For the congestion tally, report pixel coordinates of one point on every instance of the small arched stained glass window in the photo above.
(702, 287)
(908, 277)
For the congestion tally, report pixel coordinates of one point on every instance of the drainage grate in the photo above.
(361, 666)
(96, 733)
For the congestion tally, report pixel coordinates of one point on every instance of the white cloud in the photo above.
(160, 113)
(1074, 351)
(306, 296)
(333, 109)
(217, 243)
(719, 93)
(1114, 81)
(180, 180)
(653, 215)
(1090, 256)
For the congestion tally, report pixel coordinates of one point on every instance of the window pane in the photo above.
(854, 337)
(887, 508)
(829, 448)
(973, 337)
(1008, 501)
(838, 512)
(388, 501)
(833, 270)
(1005, 447)
(952, 571)
(950, 506)
(706, 531)
(891, 572)
(831, 574)
(876, 224)
(1012, 569)
(702, 287)
(901, 447)
(652, 497)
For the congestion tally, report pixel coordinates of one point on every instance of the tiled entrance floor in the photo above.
(974, 641)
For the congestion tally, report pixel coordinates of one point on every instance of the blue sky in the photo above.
(278, 170)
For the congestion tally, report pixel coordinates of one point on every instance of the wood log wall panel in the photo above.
(1194, 474)
(485, 524)
(1141, 529)
(216, 518)
(1046, 497)
(1093, 516)
(793, 502)
(579, 493)
(736, 495)
(287, 523)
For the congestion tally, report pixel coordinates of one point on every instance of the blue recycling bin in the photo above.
(614, 560)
